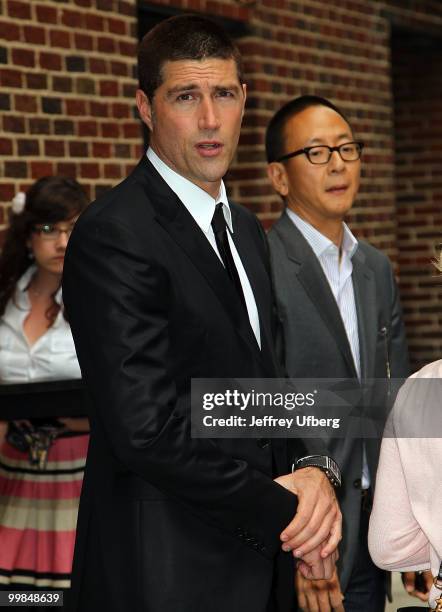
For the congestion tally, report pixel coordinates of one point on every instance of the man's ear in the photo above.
(144, 108)
(244, 91)
(278, 177)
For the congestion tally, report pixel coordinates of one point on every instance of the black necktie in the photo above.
(222, 242)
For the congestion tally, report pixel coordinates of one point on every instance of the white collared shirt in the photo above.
(51, 357)
(338, 270)
(201, 206)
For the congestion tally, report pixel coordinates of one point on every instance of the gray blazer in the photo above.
(315, 345)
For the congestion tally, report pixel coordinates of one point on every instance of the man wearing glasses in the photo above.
(340, 314)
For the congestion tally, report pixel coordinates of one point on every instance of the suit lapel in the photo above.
(365, 297)
(176, 220)
(311, 276)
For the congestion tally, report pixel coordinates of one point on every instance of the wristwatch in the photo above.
(324, 463)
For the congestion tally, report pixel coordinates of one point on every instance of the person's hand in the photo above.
(319, 595)
(318, 520)
(410, 579)
(313, 566)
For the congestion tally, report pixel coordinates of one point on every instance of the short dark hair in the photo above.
(183, 37)
(275, 140)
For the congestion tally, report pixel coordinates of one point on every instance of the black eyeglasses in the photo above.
(321, 154)
(50, 231)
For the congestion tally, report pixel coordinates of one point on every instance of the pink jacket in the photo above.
(406, 521)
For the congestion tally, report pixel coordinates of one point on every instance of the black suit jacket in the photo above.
(169, 523)
(315, 345)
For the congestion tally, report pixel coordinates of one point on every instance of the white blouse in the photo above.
(51, 357)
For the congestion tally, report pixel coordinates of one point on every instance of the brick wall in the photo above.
(418, 129)
(66, 103)
(66, 92)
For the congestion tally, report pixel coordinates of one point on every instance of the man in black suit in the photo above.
(341, 318)
(165, 281)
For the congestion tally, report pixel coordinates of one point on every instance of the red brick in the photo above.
(109, 88)
(34, 35)
(97, 66)
(117, 26)
(60, 38)
(50, 61)
(137, 151)
(66, 169)
(119, 69)
(94, 22)
(7, 192)
(64, 127)
(129, 90)
(83, 42)
(127, 48)
(41, 168)
(23, 57)
(112, 171)
(110, 130)
(54, 148)
(28, 147)
(106, 44)
(122, 150)
(98, 109)
(89, 170)
(36, 80)
(78, 148)
(19, 10)
(133, 130)
(13, 123)
(25, 104)
(72, 19)
(9, 31)
(85, 86)
(37, 125)
(126, 8)
(46, 14)
(101, 149)
(120, 111)
(16, 169)
(87, 128)
(61, 83)
(5, 146)
(105, 5)
(10, 78)
(75, 107)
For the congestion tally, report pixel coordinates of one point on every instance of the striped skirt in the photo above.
(38, 514)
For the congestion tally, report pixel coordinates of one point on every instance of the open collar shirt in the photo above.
(201, 206)
(338, 268)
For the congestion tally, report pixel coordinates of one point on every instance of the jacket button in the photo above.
(357, 483)
(263, 442)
